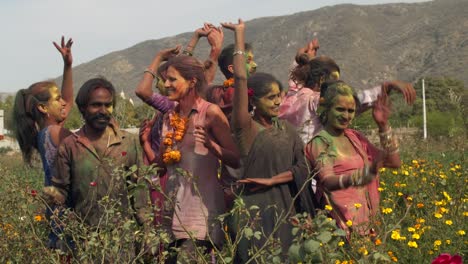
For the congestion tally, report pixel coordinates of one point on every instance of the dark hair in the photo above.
(225, 59)
(261, 83)
(310, 72)
(189, 67)
(82, 98)
(27, 116)
(329, 91)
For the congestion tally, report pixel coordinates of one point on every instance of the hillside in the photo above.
(370, 43)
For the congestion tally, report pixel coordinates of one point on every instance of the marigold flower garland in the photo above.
(228, 83)
(179, 127)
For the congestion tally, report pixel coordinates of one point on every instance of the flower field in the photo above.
(424, 213)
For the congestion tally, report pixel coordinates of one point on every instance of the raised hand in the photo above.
(234, 27)
(381, 111)
(216, 37)
(205, 30)
(65, 50)
(166, 54)
(404, 88)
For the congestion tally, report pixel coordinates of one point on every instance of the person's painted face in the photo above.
(98, 112)
(176, 86)
(268, 105)
(250, 64)
(341, 113)
(56, 105)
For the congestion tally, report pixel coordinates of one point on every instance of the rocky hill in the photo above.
(370, 43)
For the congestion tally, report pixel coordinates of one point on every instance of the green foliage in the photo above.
(7, 106)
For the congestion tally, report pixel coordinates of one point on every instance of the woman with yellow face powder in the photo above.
(346, 162)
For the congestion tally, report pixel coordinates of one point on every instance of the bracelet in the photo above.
(238, 52)
(188, 53)
(148, 70)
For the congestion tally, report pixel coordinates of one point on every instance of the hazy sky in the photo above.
(102, 26)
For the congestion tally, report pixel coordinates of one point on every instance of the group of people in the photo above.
(280, 151)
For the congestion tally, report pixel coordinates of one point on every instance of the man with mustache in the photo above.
(90, 162)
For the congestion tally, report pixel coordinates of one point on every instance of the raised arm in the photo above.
(215, 39)
(199, 33)
(240, 112)
(381, 112)
(144, 89)
(67, 78)
(367, 97)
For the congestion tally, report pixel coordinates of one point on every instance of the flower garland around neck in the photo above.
(228, 83)
(178, 127)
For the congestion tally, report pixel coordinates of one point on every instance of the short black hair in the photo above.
(82, 98)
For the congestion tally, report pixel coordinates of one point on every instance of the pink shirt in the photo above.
(299, 108)
(198, 193)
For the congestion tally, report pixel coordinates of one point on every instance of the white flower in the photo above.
(122, 94)
(131, 101)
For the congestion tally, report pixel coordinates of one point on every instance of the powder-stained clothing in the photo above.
(273, 151)
(193, 184)
(85, 177)
(322, 153)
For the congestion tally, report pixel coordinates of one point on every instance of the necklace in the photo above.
(175, 133)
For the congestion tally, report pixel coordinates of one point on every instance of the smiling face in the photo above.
(176, 86)
(55, 106)
(98, 112)
(268, 105)
(341, 113)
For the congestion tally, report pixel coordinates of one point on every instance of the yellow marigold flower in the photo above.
(400, 194)
(409, 198)
(37, 218)
(387, 210)
(341, 243)
(461, 232)
(430, 252)
(420, 220)
(448, 222)
(448, 241)
(396, 235)
(447, 196)
(457, 167)
(465, 213)
(438, 215)
(443, 210)
(382, 170)
(420, 205)
(417, 226)
(328, 207)
(349, 223)
(405, 172)
(380, 189)
(437, 243)
(378, 242)
(357, 205)
(403, 185)
(394, 172)
(363, 251)
(411, 229)
(415, 236)
(440, 203)
(412, 244)
(414, 162)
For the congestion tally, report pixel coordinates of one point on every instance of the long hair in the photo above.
(189, 68)
(28, 117)
(260, 83)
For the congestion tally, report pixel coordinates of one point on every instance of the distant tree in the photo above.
(7, 106)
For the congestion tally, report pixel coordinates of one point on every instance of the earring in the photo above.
(252, 113)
